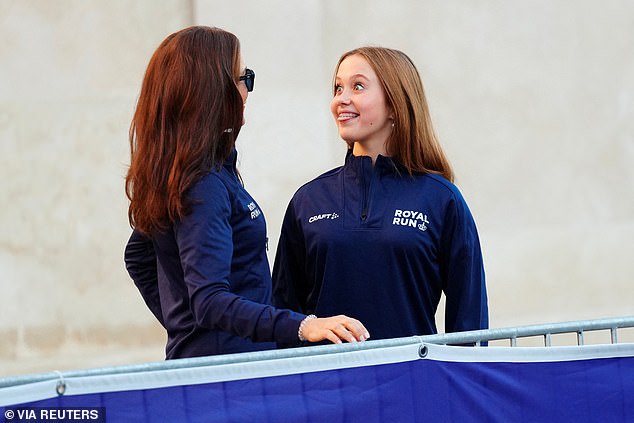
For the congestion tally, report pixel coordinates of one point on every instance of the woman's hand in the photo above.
(336, 329)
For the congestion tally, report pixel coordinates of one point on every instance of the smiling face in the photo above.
(359, 107)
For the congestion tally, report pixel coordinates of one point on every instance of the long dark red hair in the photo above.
(187, 118)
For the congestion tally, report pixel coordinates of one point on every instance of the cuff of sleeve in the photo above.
(288, 328)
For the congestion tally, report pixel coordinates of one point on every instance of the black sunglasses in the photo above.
(248, 78)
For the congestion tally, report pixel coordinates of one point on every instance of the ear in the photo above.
(390, 113)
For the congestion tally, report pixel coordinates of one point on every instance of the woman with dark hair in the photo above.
(198, 250)
(382, 237)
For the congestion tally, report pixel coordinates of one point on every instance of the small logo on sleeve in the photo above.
(255, 211)
(410, 218)
(317, 217)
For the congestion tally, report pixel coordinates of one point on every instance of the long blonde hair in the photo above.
(413, 142)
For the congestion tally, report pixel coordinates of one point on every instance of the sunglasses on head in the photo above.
(248, 78)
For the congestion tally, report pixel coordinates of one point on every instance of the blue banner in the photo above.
(446, 384)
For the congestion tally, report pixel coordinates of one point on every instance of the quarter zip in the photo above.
(364, 195)
(366, 187)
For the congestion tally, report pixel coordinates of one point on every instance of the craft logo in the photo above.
(410, 218)
(317, 217)
(255, 211)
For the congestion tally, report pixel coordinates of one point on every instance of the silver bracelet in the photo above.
(302, 324)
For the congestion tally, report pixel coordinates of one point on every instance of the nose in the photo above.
(344, 97)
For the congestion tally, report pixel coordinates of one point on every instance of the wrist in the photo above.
(300, 333)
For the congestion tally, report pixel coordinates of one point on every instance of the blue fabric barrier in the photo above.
(406, 383)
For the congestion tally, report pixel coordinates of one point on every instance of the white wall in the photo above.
(69, 78)
(534, 103)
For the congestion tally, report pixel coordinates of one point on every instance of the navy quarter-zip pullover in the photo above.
(374, 243)
(207, 279)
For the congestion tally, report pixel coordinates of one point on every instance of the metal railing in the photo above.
(545, 330)
(478, 338)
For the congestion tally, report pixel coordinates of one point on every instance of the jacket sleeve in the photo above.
(462, 270)
(288, 269)
(205, 242)
(140, 262)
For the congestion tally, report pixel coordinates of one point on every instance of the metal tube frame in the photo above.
(477, 337)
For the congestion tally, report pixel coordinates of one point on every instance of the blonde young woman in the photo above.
(383, 236)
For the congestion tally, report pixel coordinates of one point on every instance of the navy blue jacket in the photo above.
(381, 246)
(207, 279)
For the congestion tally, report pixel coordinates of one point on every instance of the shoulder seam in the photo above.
(330, 173)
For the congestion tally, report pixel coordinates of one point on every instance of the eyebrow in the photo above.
(356, 75)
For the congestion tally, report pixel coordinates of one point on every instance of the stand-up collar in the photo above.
(231, 161)
(384, 164)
